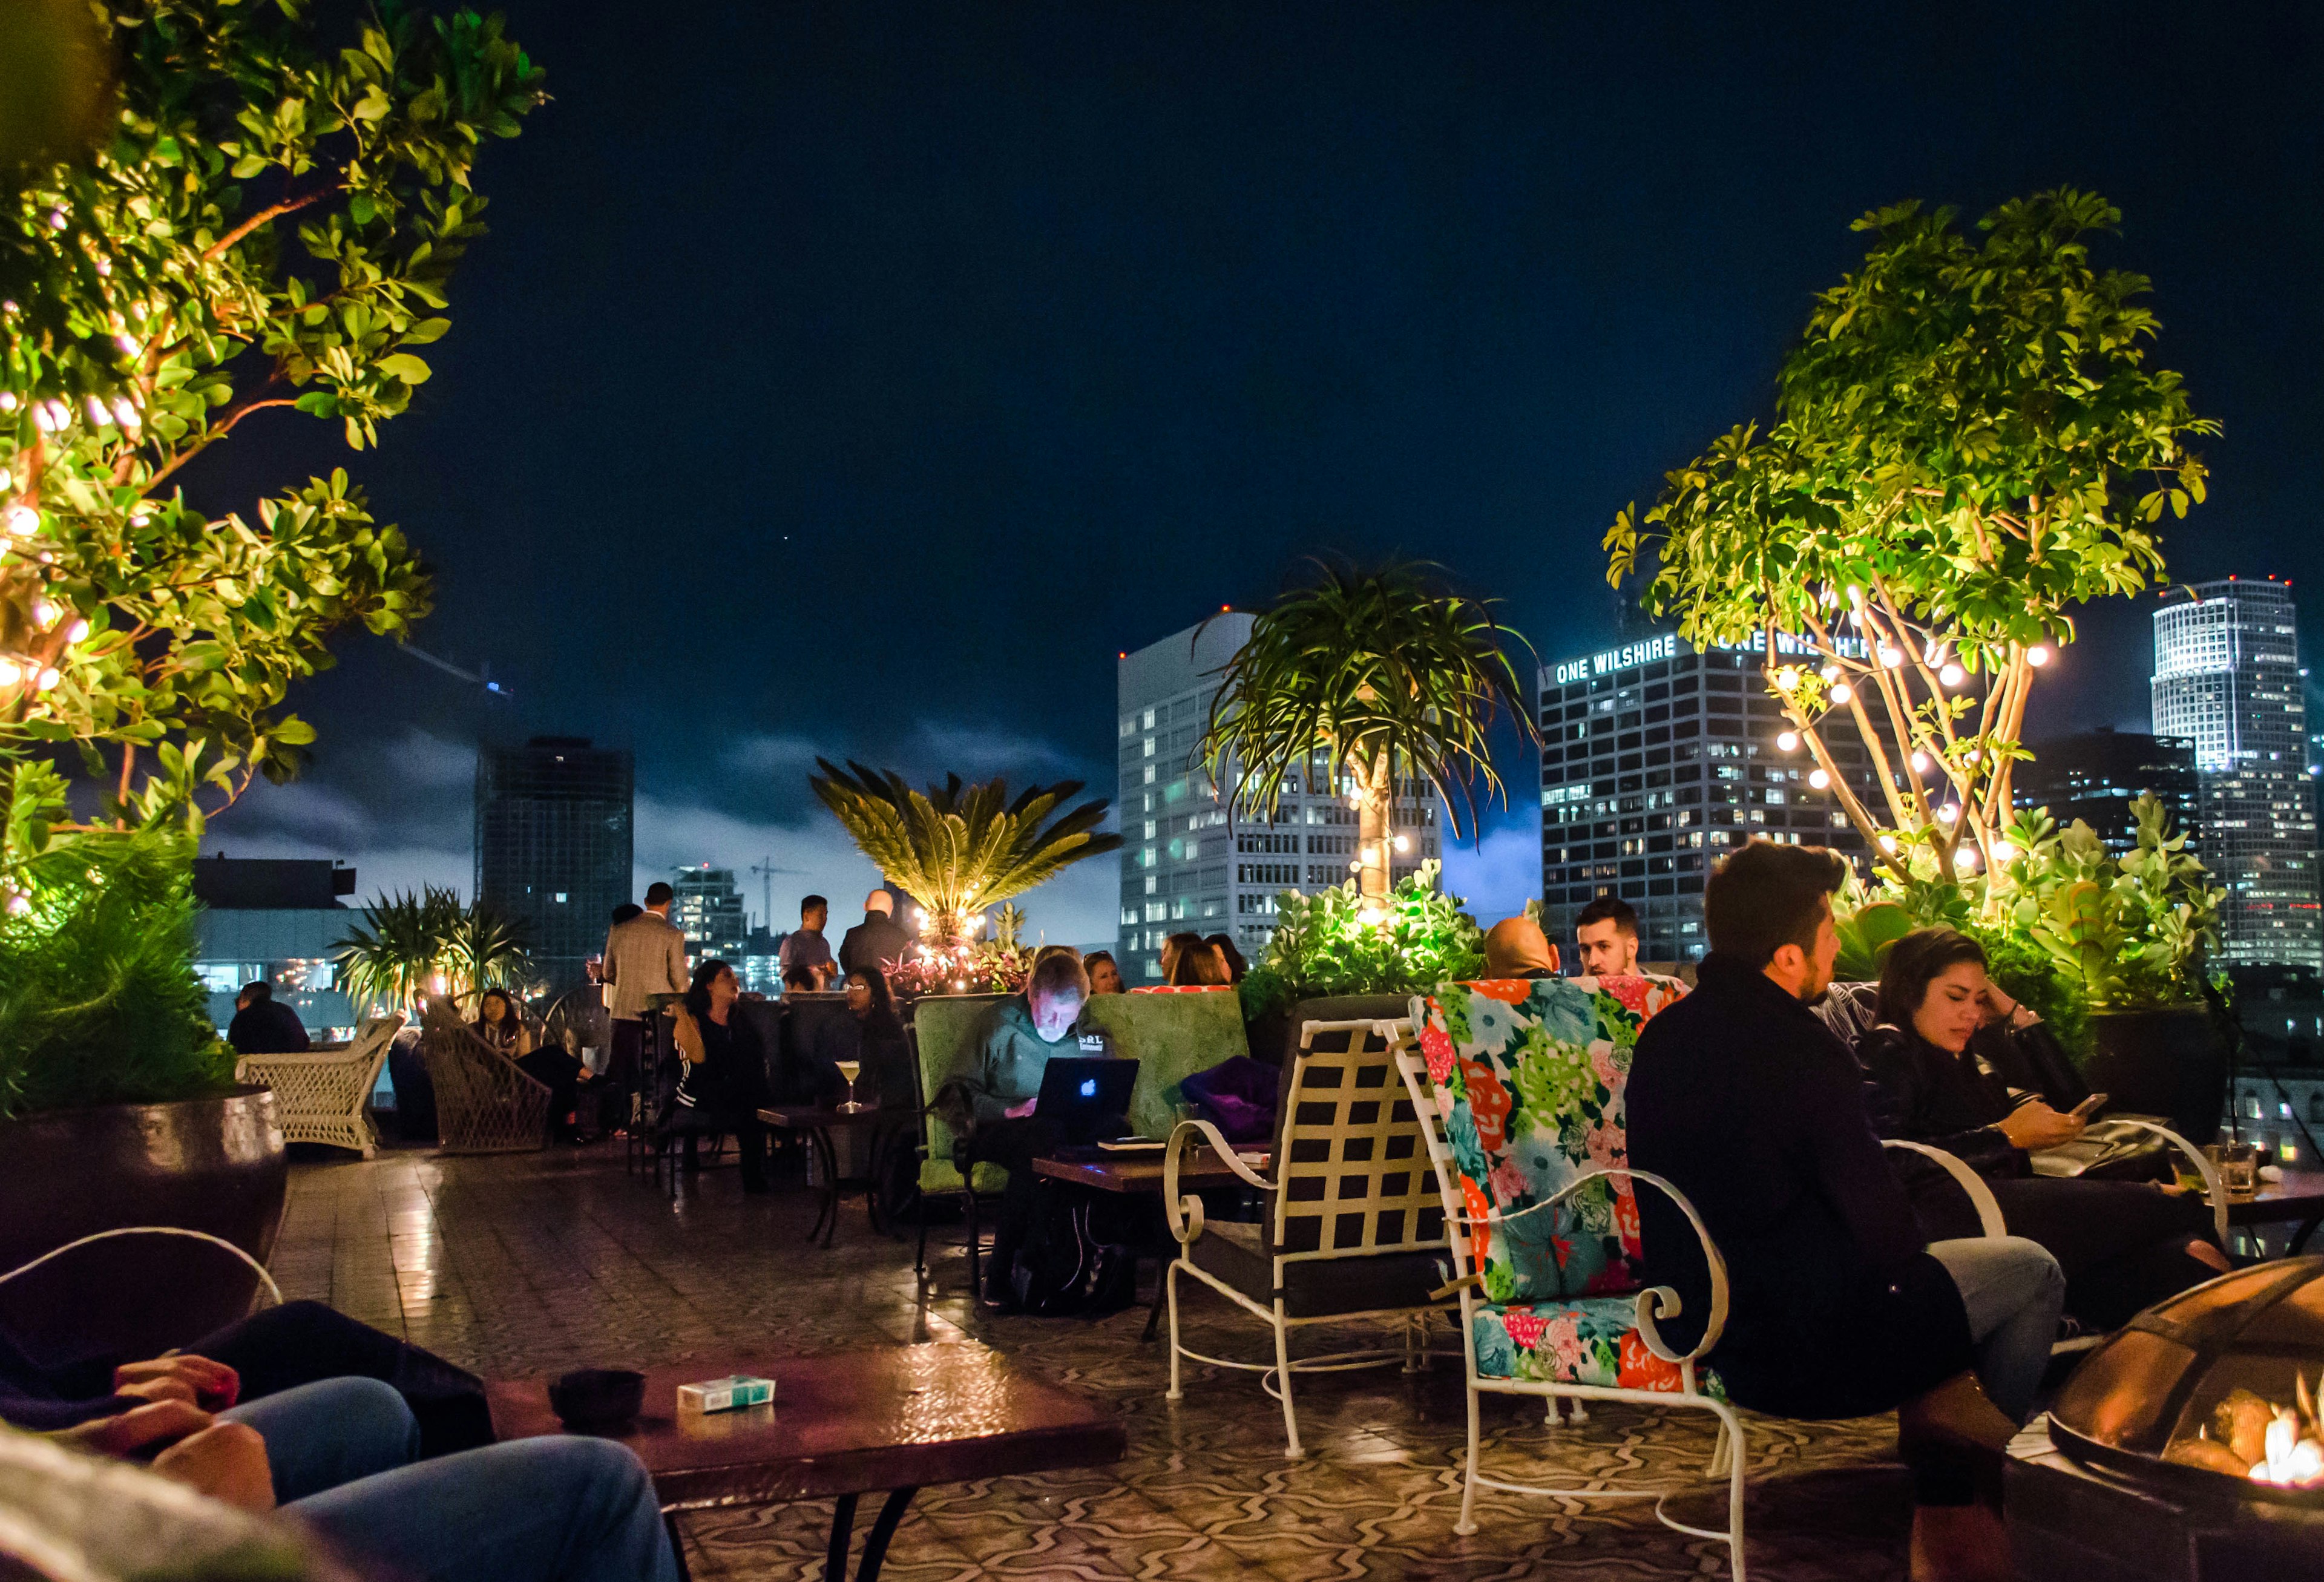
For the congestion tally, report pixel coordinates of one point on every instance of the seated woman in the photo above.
(1941, 1059)
(722, 1078)
(500, 1024)
(870, 1035)
(1190, 961)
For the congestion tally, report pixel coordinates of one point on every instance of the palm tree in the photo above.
(411, 946)
(958, 848)
(1367, 679)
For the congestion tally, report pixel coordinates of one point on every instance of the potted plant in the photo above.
(267, 226)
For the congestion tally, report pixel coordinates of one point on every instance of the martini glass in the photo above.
(850, 1070)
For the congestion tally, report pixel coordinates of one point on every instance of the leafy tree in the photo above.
(271, 228)
(1969, 442)
(1367, 679)
(958, 848)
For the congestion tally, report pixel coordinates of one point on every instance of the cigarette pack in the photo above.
(727, 1395)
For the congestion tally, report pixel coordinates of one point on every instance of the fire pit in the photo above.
(2216, 1390)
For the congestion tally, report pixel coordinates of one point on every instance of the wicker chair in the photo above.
(1357, 1227)
(483, 1103)
(320, 1097)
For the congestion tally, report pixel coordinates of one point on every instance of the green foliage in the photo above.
(1339, 942)
(407, 942)
(957, 848)
(2032, 976)
(272, 225)
(1865, 937)
(99, 1000)
(1969, 443)
(1382, 675)
(2132, 932)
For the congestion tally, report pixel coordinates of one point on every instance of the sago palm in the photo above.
(394, 956)
(1385, 675)
(956, 848)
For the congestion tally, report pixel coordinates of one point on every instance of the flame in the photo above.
(2292, 1461)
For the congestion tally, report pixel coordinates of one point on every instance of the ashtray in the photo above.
(598, 1397)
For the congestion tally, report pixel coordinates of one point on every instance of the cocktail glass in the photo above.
(850, 1070)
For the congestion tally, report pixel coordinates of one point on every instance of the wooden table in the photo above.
(818, 1121)
(857, 1423)
(1141, 1172)
(2300, 1195)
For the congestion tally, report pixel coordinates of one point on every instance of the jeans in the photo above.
(544, 1510)
(2014, 1292)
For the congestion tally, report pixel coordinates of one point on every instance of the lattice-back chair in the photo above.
(1521, 1086)
(320, 1097)
(483, 1103)
(1355, 1228)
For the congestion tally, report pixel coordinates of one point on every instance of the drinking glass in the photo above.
(2237, 1165)
(850, 1070)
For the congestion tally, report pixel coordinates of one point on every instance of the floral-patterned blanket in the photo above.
(1529, 1075)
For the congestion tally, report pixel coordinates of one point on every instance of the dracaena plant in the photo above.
(269, 231)
(1970, 441)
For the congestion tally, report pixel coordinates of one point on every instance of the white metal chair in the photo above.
(1658, 1373)
(320, 1097)
(1355, 1230)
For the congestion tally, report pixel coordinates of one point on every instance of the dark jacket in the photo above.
(1012, 1055)
(1923, 1094)
(1748, 1105)
(874, 942)
(266, 1027)
(876, 1039)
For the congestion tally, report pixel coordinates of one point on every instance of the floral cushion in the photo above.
(1529, 1075)
(1593, 1340)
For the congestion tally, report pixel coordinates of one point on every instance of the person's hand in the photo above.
(137, 1432)
(2035, 1126)
(1999, 1006)
(1019, 1111)
(206, 1384)
(226, 1461)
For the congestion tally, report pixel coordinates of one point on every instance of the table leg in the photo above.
(875, 1542)
(676, 1547)
(826, 1221)
(2299, 1242)
(843, 1530)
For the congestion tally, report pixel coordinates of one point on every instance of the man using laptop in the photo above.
(999, 1105)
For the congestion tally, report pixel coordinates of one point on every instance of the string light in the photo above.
(2004, 851)
(1891, 656)
(1819, 779)
(1953, 675)
(2037, 656)
(1920, 762)
(1404, 842)
(23, 520)
(1888, 844)
(1789, 741)
(11, 673)
(1947, 813)
(1830, 673)
(1841, 692)
(48, 678)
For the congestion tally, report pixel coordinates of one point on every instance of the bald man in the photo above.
(876, 941)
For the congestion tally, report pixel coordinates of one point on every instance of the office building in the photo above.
(1657, 760)
(1191, 863)
(2096, 775)
(2226, 673)
(279, 922)
(708, 910)
(553, 846)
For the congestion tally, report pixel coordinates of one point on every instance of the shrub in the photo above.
(1338, 941)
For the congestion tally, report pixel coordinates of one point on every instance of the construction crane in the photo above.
(766, 869)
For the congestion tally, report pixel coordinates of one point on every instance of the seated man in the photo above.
(1748, 1104)
(1015, 1043)
(1606, 935)
(343, 1455)
(1516, 947)
(264, 1025)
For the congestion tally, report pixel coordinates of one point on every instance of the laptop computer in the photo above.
(1085, 1098)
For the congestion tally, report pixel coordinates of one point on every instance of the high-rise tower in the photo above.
(2226, 673)
(553, 845)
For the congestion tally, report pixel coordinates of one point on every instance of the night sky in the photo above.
(857, 379)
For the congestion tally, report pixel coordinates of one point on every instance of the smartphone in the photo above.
(2088, 1107)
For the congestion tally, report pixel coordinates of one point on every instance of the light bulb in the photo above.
(1947, 813)
(1404, 842)
(8, 401)
(123, 414)
(11, 673)
(2037, 656)
(23, 520)
(48, 678)
(7, 479)
(1953, 675)
(1830, 673)
(1891, 656)
(1819, 779)
(1356, 867)
(126, 342)
(1888, 844)
(97, 415)
(1789, 741)
(80, 631)
(1787, 679)
(1968, 858)
(45, 613)
(42, 419)
(2003, 851)
(1920, 762)
(1372, 917)
(1841, 692)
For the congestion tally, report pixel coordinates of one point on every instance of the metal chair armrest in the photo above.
(1656, 1301)
(264, 1278)
(2213, 1188)
(1185, 1214)
(1980, 1195)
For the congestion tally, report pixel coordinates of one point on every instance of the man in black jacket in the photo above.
(264, 1025)
(876, 941)
(1743, 1100)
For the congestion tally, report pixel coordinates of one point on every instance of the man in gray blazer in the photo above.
(644, 957)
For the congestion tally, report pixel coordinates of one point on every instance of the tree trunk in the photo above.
(1375, 839)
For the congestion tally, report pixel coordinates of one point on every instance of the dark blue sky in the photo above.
(861, 378)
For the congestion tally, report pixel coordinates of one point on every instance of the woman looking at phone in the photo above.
(1951, 1063)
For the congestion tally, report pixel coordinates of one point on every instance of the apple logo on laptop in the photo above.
(1089, 1087)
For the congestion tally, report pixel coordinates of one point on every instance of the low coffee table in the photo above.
(818, 1121)
(856, 1422)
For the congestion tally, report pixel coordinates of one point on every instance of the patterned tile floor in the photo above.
(535, 1263)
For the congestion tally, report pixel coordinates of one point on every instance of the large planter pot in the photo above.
(211, 1164)
(2167, 1062)
(1275, 1036)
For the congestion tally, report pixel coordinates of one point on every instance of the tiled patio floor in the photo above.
(536, 1263)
